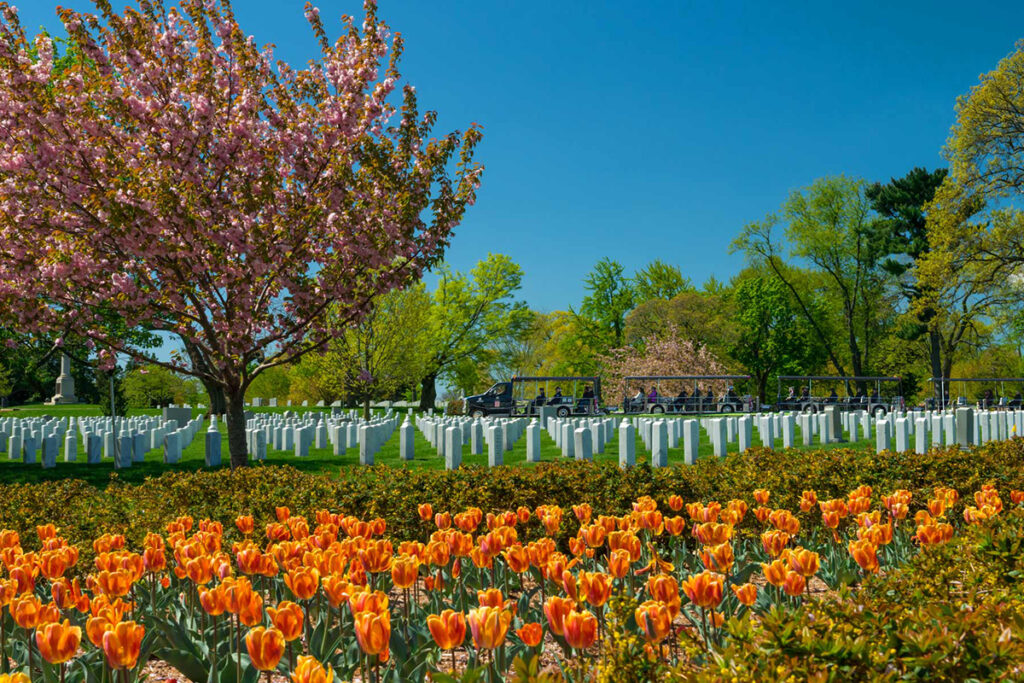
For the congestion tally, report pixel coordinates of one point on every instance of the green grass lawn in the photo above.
(320, 459)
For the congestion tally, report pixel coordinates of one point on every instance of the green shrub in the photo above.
(955, 612)
(83, 512)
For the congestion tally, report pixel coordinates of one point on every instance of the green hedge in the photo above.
(954, 612)
(84, 512)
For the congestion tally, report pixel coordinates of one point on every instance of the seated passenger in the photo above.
(653, 396)
(681, 398)
(588, 392)
(557, 396)
(792, 394)
(541, 398)
(805, 394)
(833, 397)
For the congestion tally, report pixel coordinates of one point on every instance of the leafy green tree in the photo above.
(901, 232)
(602, 313)
(708, 318)
(111, 381)
(381, 355)
(152, 386)
(975, 224)
(771, 341)
(828, 243)
(6, 384)
(468, 313)
(273, 383)
(659, 280)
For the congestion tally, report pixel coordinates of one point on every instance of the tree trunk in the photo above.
(428, 391)
(236, 429)
(935, 353)
(366, 410)
(218, 404)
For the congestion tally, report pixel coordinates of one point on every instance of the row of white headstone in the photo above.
(580, 438)
(124, 440)
(298, 433)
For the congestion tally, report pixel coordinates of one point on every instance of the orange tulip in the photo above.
(746, 594)
(675, 503)
(365, 601)
(265, 646)
(712, 533)
(58, 643)
(555, 608)
(199, 570)
(245, 524)
(377, 557)
(675, 525)
(864, 554)
(531, 634)
(337, 589)
(783, 520)
(287, 618)
(775, 572)
(595, 587)
(425, 511)
(933, 534)
(53, 564)
(373, 631)
(518, 558)
(795, 583)
(804, 562)
(250, 608)
(808, 500)
(665, 588)
(27, 611)
(8, 591)
(704, 589)
(774, 542)
(282, 513)
(213, 601)
(618, 563)
(761, 496)
(302, 582)
(448, 628)
(443, 520)
(489, 626)
(580, 629)
(114, 583)
(404, 570)
(15, 678)
(718, 558)
(308, 670)
(122, 643)
(655, 618)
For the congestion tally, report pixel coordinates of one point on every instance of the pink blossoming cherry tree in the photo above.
(170, 174)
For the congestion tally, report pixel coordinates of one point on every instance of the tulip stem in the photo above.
(61, 672)
(216, 642)
(454, 667)
(4, 665)
(238, 648)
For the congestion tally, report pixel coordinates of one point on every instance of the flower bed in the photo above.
(908, 582)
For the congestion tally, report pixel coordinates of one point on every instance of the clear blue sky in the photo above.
(642, 130)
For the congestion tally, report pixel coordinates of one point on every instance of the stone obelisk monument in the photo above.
(65, 383)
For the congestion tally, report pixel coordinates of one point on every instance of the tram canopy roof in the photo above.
(556, 379)
(821, 378)
(650, 378)
(976, 379)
